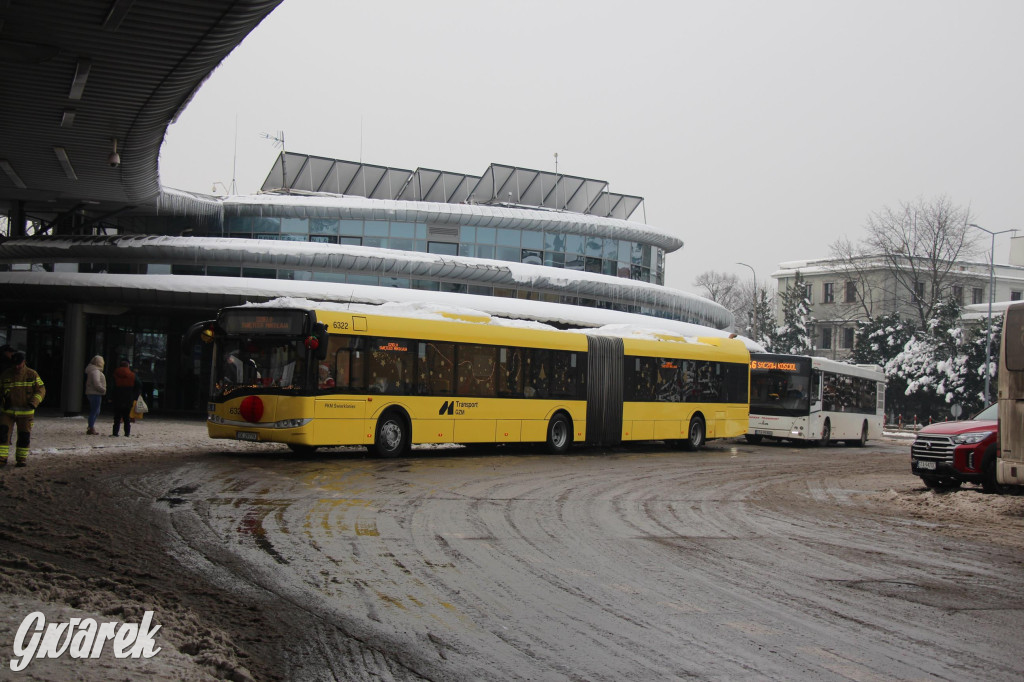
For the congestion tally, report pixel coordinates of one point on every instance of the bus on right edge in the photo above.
(1010, 463)
(808, 399)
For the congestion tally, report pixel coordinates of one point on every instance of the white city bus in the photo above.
(801, 398)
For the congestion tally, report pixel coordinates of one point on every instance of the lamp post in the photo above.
(755, 298)
(991, 293)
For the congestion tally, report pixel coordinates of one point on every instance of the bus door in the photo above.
(816, 390)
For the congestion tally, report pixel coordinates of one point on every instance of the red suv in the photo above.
(947, 454)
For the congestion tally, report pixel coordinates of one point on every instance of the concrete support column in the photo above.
(74, 359)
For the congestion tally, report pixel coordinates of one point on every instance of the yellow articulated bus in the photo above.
(354, 375)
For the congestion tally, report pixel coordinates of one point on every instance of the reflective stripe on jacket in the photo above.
(22, 390)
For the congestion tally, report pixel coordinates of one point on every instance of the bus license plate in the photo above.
(926, 465)
(247, 435)
(762, 432)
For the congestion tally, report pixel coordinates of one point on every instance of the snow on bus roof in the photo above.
(425, 310)
(421, 310)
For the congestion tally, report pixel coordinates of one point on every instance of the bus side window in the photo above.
(476, 370)
(435, 368)
(537, 370)
(563, 376)
(510, 372)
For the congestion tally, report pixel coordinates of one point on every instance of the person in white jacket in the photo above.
(95, 389)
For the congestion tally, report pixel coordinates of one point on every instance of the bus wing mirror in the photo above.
(200, 331)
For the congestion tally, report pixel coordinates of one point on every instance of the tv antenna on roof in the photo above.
(278, 141)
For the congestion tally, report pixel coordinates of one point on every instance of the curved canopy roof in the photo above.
(76, 76)
(362, 260)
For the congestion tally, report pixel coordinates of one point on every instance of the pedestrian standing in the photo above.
(95, 389)
(124, 395)
(21, 391)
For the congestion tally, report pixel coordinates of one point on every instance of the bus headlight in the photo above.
(291, 423)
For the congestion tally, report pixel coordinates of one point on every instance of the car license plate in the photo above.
(926, 465)
(247, 435)
(762, 432)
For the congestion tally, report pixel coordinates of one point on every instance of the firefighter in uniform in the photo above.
(21, 391)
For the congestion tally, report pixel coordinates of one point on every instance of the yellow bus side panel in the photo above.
(433, 431)
(508, 430)
(473, 430)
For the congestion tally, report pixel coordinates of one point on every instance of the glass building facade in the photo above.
(555, 248)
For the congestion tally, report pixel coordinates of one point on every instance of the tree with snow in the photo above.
(944, 364)
(794, 335)
(877, 342)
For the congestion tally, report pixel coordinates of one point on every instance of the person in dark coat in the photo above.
(124, 395)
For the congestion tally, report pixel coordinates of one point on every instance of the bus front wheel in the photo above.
(696, 434)
(826, 434)
(559, 434)
(392, 437)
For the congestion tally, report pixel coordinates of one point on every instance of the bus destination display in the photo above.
(277, 322)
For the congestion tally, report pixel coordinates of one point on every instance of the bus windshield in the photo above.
(267, 362)
(780, 388)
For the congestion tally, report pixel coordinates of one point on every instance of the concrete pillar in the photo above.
(74, 359)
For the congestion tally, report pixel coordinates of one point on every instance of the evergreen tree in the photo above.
(765, 311)
(794, 336)
(877, 342)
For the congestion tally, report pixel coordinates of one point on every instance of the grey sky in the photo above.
(756, 131)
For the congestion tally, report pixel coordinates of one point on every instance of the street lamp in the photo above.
(991, 293)
(755, 297)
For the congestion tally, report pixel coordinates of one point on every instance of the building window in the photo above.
(977, 295)
(1015, 295)
(826, 338)
(958, 294)
(918, 291)
(828, 294)
(809, 293)
(847, 338)
(851, 292)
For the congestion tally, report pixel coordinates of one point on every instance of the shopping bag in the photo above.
(140, 406)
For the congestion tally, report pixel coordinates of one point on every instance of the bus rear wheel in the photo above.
(863, 440)
(391, 438)
(696, 434)
(559, 434)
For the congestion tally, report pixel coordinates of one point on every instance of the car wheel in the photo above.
(988, 472)
(940, 484)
